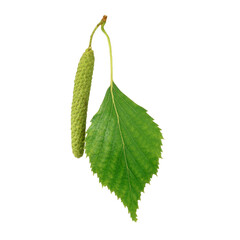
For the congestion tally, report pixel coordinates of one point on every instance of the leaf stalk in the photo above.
(110, 51)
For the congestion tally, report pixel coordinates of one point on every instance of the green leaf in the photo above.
(124, 147)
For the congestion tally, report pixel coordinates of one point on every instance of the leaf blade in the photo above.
(128, 154)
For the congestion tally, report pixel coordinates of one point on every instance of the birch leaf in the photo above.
(124, 146)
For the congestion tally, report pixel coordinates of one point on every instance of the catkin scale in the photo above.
(82, 85)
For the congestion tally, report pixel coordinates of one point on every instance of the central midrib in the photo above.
(123, 144)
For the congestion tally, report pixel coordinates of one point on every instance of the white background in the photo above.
(178, 59)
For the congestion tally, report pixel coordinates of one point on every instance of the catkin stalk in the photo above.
(82, 85)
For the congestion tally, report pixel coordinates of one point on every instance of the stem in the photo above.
(103, 21)
(110, 50)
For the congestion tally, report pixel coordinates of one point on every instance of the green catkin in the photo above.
(82, 85)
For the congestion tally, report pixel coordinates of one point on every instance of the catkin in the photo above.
(82, 85)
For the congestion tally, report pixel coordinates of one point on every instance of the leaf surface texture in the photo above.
(124, 146)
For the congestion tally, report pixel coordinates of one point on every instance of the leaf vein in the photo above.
(104, 135)
(130, 135)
